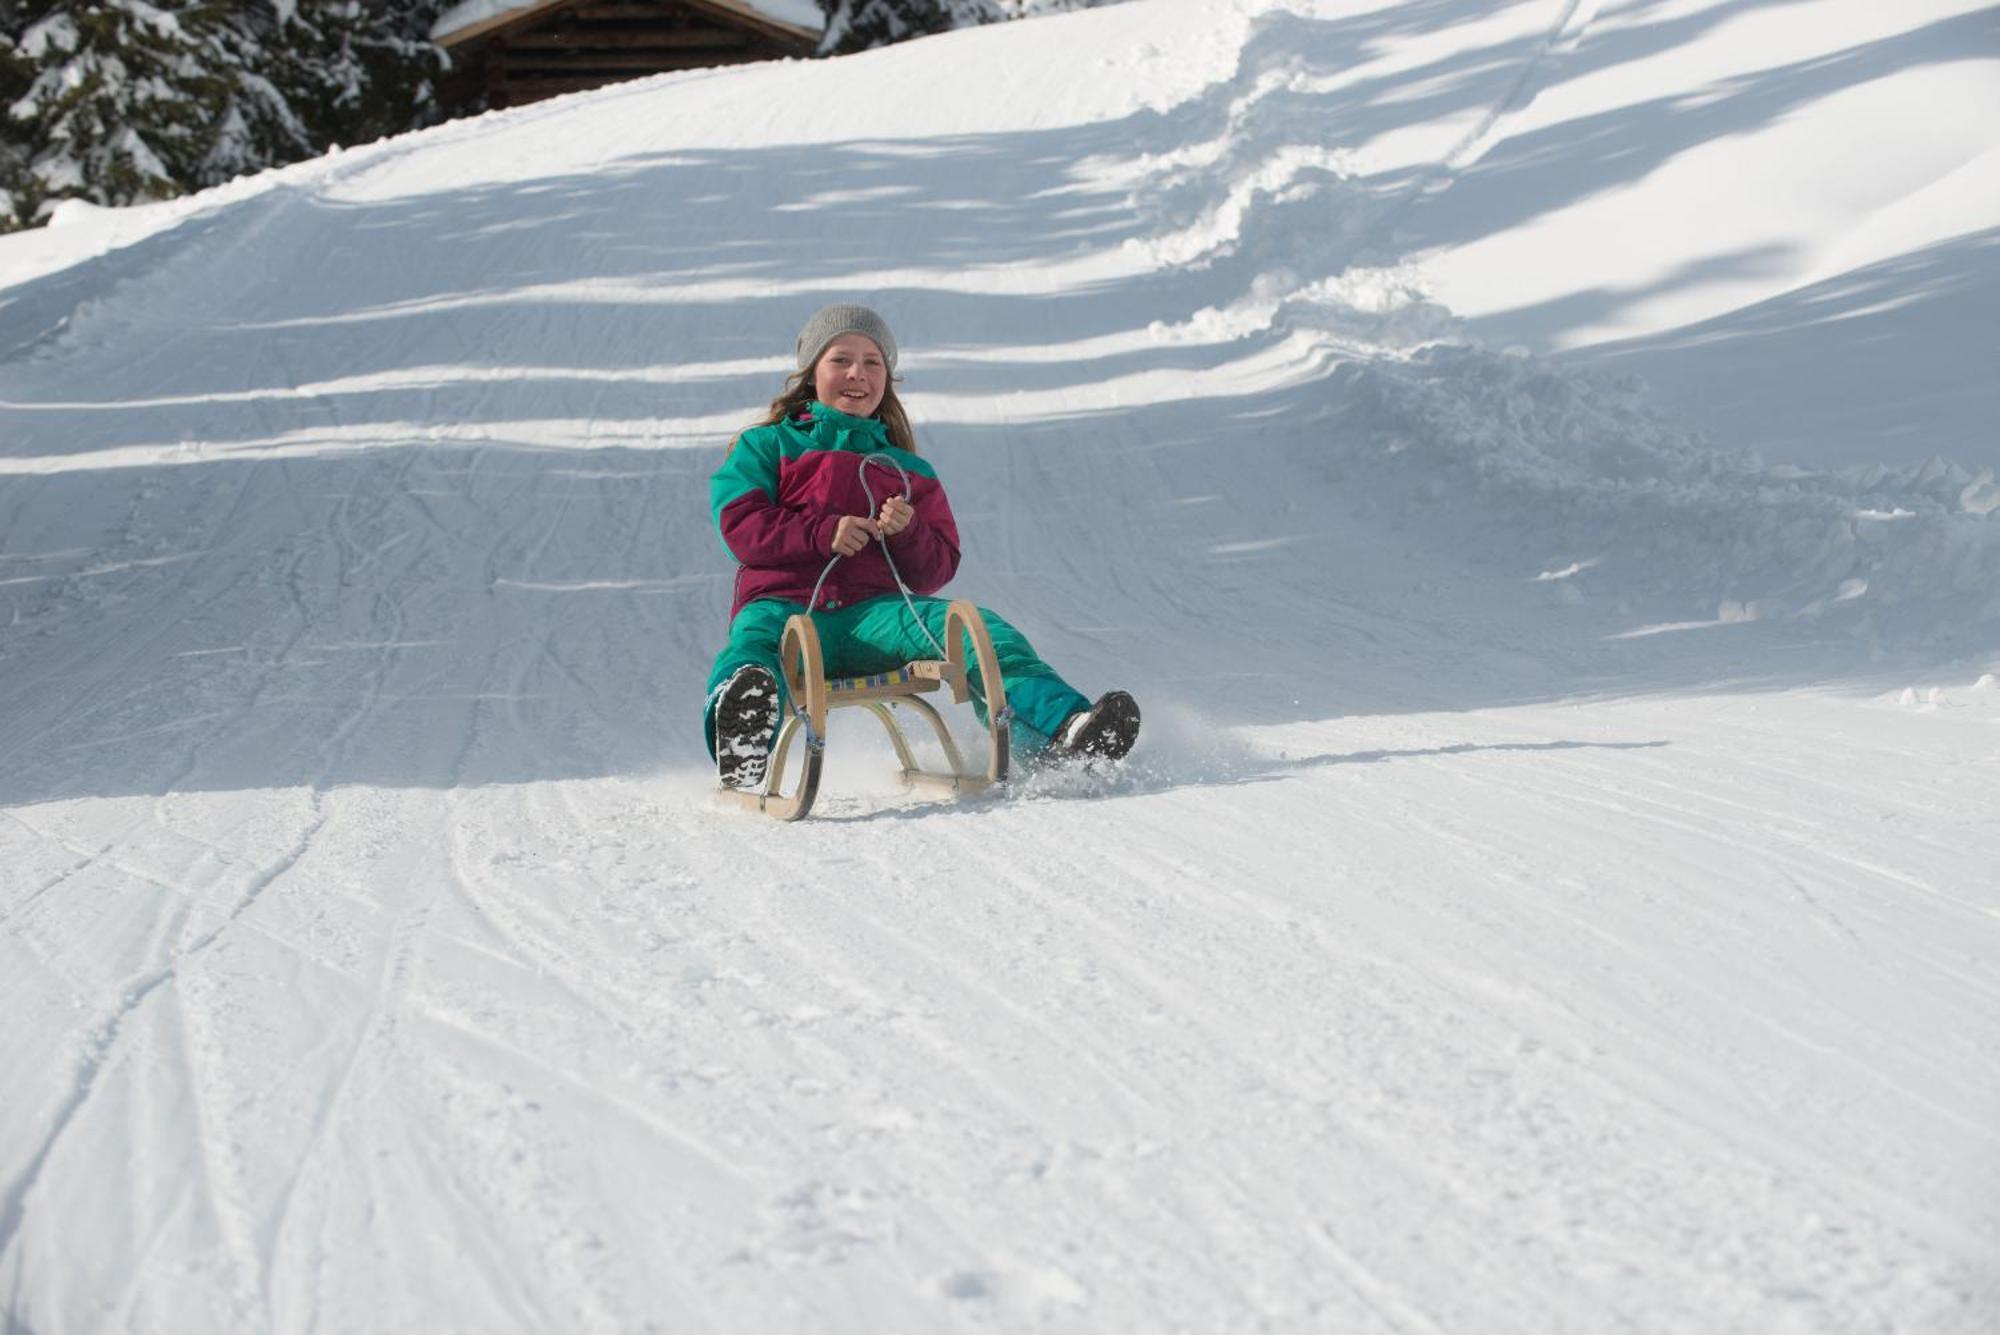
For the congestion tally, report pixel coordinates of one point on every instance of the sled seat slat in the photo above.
(923, 675)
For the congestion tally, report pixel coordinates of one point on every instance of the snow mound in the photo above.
(1568, 471)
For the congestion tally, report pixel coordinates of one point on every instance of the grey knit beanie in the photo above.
(830, 322)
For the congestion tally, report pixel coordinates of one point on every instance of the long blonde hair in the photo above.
(799, 391)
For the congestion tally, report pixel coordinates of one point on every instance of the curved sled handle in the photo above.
(804, 666)
(963, 621)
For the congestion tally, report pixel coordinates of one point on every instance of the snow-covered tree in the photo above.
(857, 25)
(113, 101)
(118, 101)
(351, 70)
(257, 125)
(16, 73)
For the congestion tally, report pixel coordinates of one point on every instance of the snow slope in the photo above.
(1554, 891)
(1805, 201)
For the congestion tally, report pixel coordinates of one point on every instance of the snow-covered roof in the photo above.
(468, 19)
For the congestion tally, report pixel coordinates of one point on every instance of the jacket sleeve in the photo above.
(757, 530)
(926, 551)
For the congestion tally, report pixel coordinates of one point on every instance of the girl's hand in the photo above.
(895, 517)
(852, 534)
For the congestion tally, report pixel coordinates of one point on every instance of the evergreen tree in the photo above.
(257, 125)
(353, 70)
(857, 25)
(114, 100)
(119, 101)
(16, 73)
(308, 74)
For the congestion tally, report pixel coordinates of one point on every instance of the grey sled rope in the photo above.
(813, 739)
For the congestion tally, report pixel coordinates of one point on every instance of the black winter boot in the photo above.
(1105, 731)
(746, 717)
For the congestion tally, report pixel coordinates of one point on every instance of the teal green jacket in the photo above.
(781, 493)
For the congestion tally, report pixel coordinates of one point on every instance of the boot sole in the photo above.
(1111, 729)
(745, 717)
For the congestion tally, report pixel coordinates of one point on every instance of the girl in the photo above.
(811, 502)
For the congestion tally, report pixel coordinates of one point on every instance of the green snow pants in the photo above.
(880, 635)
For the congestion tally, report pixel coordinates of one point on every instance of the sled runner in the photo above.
(813, 697)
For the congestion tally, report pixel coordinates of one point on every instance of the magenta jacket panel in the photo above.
(781, 492)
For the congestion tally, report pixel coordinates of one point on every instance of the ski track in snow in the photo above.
(1554, 890)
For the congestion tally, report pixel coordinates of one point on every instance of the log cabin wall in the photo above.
(580, 44)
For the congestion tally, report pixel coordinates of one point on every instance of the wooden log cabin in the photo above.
(506, 53)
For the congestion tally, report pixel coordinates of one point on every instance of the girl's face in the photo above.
(851, 375)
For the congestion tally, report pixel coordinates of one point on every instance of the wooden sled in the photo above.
(813, 697)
